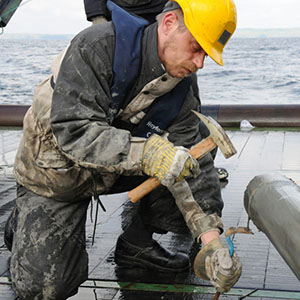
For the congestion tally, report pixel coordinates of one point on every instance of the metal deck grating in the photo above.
(263, 268)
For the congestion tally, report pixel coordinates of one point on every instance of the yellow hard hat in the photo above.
(211, 22)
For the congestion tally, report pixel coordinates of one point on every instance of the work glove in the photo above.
(161, 159)
(214, 263)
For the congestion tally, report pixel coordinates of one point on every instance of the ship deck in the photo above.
(265, 274)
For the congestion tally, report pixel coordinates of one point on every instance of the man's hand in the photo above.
(161, 159)
(99, 20)
(214, 263)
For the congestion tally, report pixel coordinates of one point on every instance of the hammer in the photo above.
(217, 138)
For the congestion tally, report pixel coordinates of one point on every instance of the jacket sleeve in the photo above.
(80, 103)
(95, 8)
(187, 131)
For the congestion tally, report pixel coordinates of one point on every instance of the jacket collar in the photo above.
(151, 66)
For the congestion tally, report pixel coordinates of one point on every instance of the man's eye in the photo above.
(196, 48)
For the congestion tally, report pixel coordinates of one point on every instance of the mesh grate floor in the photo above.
(265, 274)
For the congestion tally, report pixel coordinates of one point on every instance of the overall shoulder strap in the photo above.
(163, 111)
(128, 30)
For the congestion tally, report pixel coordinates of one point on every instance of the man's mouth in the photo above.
(187, 71)
(190, 69)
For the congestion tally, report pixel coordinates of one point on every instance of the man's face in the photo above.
(181, 54)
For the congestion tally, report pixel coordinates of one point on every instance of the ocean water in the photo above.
(23, 65)
(256, 71)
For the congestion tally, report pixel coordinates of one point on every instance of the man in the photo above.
(97, 12)
(116, 108)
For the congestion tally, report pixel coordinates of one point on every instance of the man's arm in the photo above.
(199, 200)
(80, 103)
(186, 132)
(209, 236)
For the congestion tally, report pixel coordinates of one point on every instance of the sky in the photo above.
(68, 16)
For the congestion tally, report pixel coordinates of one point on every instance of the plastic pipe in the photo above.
(272, 202)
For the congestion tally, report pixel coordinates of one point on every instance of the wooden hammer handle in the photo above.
(152, 183)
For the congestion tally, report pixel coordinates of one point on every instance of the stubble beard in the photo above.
(179, 70)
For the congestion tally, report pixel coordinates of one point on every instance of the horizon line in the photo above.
(237, 29)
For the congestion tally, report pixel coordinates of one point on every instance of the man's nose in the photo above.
(199, 58)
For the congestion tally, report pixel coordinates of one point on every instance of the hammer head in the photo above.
(218, 135)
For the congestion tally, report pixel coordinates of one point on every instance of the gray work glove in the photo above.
(214, 263)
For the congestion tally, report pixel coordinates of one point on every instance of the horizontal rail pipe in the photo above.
(276, 115)
(12, 115)
(227, 115)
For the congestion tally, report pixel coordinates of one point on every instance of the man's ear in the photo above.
(169, 23)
